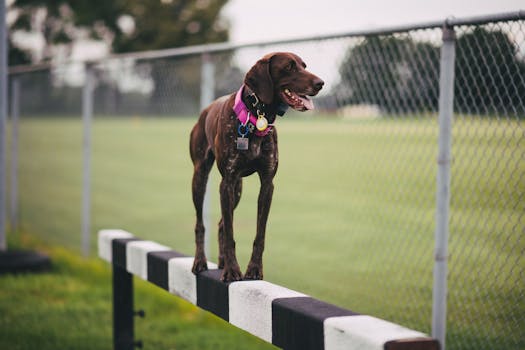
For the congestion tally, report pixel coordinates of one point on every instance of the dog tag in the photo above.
(262, 123)
(242, 143)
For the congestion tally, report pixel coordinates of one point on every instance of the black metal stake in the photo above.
(122, 309)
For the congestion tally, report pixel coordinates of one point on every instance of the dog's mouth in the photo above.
(297, 101)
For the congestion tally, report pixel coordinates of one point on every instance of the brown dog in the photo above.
(237, 131)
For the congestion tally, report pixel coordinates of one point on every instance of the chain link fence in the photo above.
(487, 205)
(375, 136)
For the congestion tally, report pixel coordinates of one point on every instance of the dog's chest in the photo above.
(261, 154)
(257, 150)
(254, 150)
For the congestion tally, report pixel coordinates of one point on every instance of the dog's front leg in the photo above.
(255, 267)
(231, 271)
(237, 197)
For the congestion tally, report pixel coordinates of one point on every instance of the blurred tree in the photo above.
(490, 76)
(162, 24)
(172, 23)
(59, 23)
(123, 25)
(395, 73)
(401, 75)
(17, 55)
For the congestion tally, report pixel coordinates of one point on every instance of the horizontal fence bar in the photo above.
(221, 47)
(278, 315)
(484, 19)
(22, 69)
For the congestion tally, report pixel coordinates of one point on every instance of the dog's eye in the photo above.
(291, 67)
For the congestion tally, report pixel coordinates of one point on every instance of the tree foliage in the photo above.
(401, 75)
(397, 74)
(165, 24)
(151, 24)
(490, 76)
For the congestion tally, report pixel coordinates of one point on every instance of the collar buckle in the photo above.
(255, 102)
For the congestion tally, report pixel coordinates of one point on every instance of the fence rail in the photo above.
(283, 317)
(381, 130)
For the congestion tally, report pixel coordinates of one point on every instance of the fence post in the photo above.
(15, 113)
(3, 121)
(87, 117)
(446, 109)
(207, 96)
(123, 331)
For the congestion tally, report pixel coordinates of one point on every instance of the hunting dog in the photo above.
(237, 132)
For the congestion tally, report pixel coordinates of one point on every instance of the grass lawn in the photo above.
(70, 307)
(352, 220)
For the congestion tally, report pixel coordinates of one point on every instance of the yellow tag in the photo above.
(262, 123)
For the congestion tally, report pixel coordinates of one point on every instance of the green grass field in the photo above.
(70, 307)
(352, 220)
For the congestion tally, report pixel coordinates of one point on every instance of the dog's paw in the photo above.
(231, 274)
(199, 265)
(253, 272)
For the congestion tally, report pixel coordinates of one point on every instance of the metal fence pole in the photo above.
(3, 121)
(15, 113)
(207, 95)
(87, 116)
(446, 104)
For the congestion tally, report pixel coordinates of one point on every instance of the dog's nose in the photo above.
(318, 83)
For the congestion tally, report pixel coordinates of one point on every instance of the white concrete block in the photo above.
(105, 237)
(181, 281)
(250, 305)
(363, 333)
(137, 256)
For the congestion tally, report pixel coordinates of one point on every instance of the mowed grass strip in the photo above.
(70, 307)
(352, 219)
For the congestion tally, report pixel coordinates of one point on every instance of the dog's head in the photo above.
(282, 77)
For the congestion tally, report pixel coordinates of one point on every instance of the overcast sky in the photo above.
(256, 20)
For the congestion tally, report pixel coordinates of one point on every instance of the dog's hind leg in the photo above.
(237, 198)
(200, 178)
(203, 159)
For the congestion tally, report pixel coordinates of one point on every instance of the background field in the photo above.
(352, 221)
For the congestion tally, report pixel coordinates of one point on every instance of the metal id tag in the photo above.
(242, 143)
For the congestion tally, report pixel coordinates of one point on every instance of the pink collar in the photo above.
(243, 114)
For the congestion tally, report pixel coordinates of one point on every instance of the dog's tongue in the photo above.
(308, 103)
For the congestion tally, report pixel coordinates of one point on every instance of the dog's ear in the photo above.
(260, 81)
